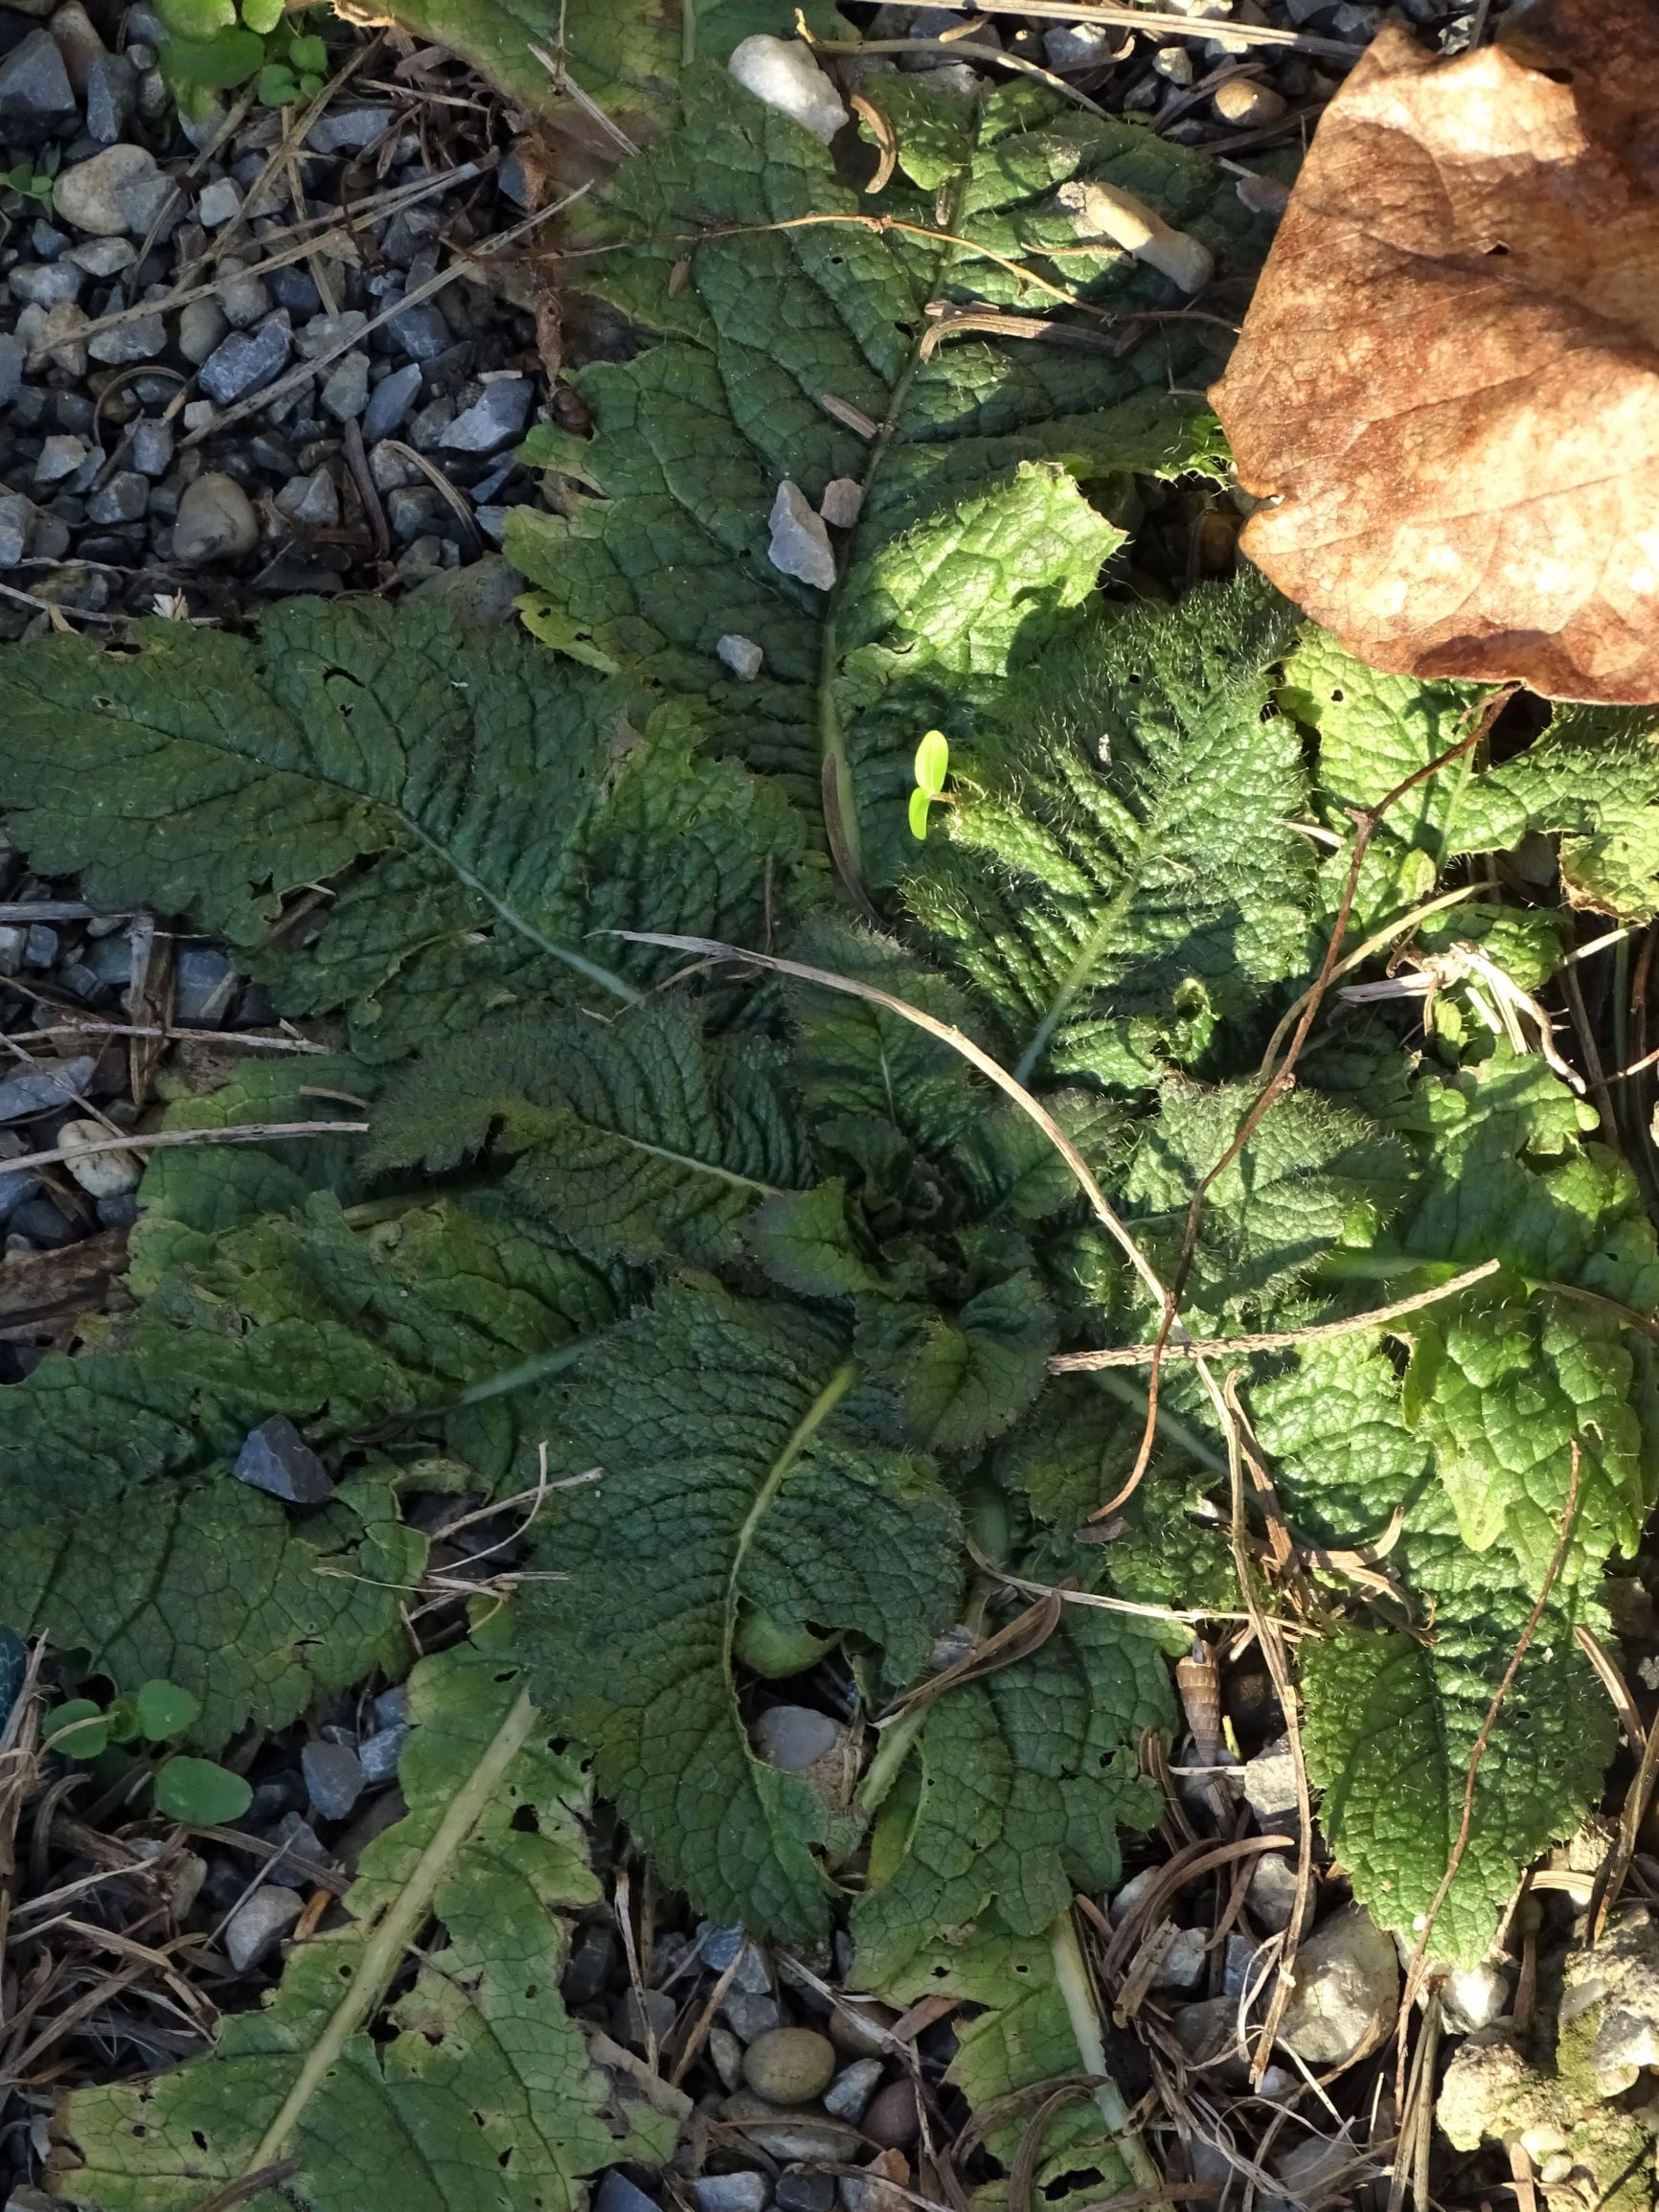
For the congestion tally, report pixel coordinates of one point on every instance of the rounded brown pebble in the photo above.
(847, 2032)
(789, 2066)
(891, 2117)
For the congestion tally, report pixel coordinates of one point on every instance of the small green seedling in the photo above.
(932, 767)
(215, 46)
(116, 1737)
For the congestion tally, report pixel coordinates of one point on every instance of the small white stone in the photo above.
(740, 654)
(800, 543)
(783, 74)
(99, 1175)
(1174, 62)
(219, 203)
(1182, 1965)
(1474, 1996)
(255, 1926)
(843, 499)
(1271, 1780)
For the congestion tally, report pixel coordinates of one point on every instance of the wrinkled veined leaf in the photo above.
(958, 1377)
(642, 1138)
(626, 58)
(1019, 2036)
(794, 349)
(487, 811)
(1019, 1785)
(467, 2086)
(732, 1469)
(212, 1582)
(1392, 1716)
(1120, 863)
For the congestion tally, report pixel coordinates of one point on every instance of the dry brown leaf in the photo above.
(1448, 381)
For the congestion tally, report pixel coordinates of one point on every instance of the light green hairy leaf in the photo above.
(1119, 858)
(470, 2085)
(1021, 1782)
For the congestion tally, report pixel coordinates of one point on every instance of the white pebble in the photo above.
(783, 74)
(741, 655)
(99, 1175)
(841, 502)
(1174, 62)
(800, 543)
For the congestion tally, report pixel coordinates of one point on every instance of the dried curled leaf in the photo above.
(1448, 381)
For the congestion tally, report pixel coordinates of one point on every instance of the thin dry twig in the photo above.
(136, 1141)
(1274, 1340)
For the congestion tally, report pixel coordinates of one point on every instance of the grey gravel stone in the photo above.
(348, 129)
(201, 325)
(151, 446)
(46, 283)
(60, 455)
(719, 1947)
(411, 509)
(1182, 1965)
(204, 983)
(118, 190)
(139, 340)
(17, 520)
(125, 498)
(783, 2133)
(243, 300)
(421, 331)
(1271, 1780)
(795, 1737)
(335, 1778)
(49, 537)
(616, 2192)
(53, 334)
(112, 87)
(11, 939)
(346, 390)
(102, 256)
(277, 1458)
(799, 544)
(40, 946)
(629, 2018)
(749, 2016)
(800, 2190)
(219, 203)
(496, 417)
(324, 333)
(247, 360)
(17, 1185)
(10, 366)
(741, 655)
(216, 521)
(731, 2193)
(390, 402)
(1346, 1993)
(593, 1954)
(255, 1926)
(310, 502)
(426, 431)
(38, 1090)
(1077, 46)
(727, 2054)
(851, 2092)
(35, 94)
(392, 1707)
(1272, 1892)
(379, 1753)
(296, 1835)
